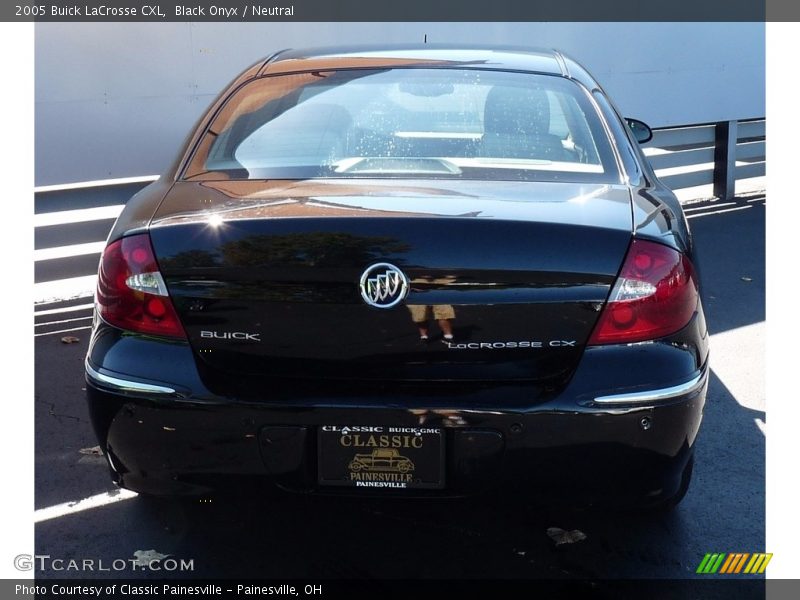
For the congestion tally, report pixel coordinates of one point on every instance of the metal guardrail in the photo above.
(716, 153)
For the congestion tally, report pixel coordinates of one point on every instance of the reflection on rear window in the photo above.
(454, 123)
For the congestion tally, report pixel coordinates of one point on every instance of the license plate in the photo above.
(381, 457)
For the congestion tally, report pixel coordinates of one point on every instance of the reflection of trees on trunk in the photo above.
(314, 249)
(191, 259)
(265, 265)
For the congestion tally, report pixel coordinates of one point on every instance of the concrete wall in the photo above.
(117, 99)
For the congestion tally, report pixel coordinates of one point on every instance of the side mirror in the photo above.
(641, 130)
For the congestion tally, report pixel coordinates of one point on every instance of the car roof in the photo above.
(511, 58)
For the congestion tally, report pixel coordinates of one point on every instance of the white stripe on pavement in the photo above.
(690, 209)
(55, 311)
(80, 215)
(743, 186)
(62, 331)
(64, 321)
(69, 508)
(96, 183)
(717, 212)
(64, 289)
(67, 251)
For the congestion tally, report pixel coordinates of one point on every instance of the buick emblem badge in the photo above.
(383, 285)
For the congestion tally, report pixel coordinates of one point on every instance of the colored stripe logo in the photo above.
(733, 563)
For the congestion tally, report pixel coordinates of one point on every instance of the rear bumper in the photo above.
(597, 438)
(188, 447)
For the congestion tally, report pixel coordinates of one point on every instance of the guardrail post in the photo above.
(725, 136)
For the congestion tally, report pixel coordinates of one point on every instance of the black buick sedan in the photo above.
(403, 272)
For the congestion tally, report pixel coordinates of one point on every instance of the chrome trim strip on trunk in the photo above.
(655, 396)
(125, 385)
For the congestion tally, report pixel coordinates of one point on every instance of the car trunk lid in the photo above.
(265, 276)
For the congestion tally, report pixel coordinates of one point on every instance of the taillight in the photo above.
(655, 295)
(131, 294)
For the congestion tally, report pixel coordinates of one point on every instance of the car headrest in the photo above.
(516, 111)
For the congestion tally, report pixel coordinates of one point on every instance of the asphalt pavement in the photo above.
(249, 536)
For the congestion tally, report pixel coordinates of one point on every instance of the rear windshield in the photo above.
(440, 123)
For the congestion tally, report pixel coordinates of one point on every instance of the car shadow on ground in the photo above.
(730, 255)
